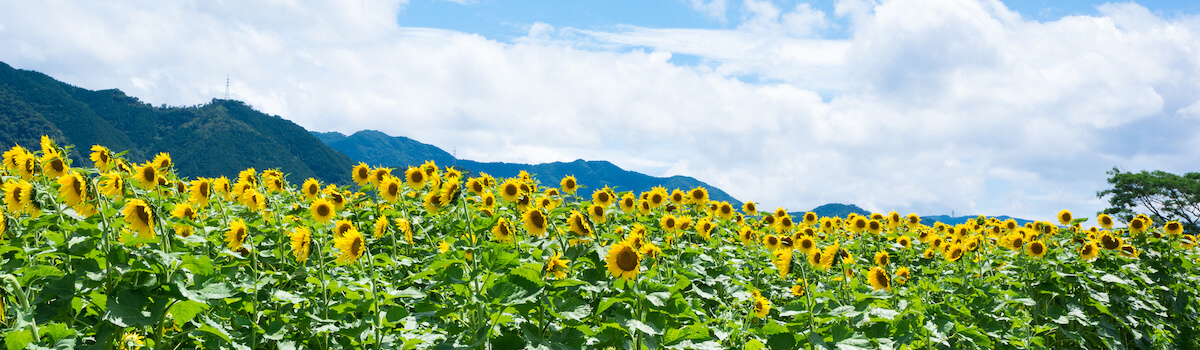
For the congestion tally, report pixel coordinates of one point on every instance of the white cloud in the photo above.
(714, 9)
(927, 106)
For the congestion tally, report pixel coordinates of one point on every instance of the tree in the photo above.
(1166, 196)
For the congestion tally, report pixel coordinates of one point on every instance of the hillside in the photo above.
(379, 149)
(222, 137)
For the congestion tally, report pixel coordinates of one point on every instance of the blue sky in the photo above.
(928, 106)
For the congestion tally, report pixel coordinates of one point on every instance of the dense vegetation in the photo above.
(378, 149)
(217, 139)
(1163, 196)
(132, 255)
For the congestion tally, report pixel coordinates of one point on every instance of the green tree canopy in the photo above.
(1164, 196)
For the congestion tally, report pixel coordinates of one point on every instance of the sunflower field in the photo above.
(128, 256)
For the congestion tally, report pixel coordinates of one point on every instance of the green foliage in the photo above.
(378, 149)
(216, 139)
(1165, 196)
(436, 276)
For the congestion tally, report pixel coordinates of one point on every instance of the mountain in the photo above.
(378, 149)
(220, 138)
(835, 210)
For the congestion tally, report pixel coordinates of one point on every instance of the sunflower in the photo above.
(569, 184)
(771, 242)
(882, 258)
(72, 188)
(603, 196)
(816, 257)
(668, 223)
(322, 210)
(783, 261)
(1036, 249)
(381, 227)
(750, 208)
(556, 266)
(140, 217)
(378, 174)
(146, 175)
(904, 241)
(806, 244)
(596, 213)
(627, 203)
(433, 202)
(510, 190)
(1016, 241)
(954, 252)
(1129, 251)
(503, 231)
(762, 306)
(874, 227)
(725, 210)
(1089, 251)
(784, 224)
(236, 236)
(1105, 221)
(185, 211)
(361, 174)
(101, 157)
(1173, 228)
(18, 195)
(623, 261)
(534, 222)
(351, 245)
(798, 289)
(902, 275)
(879, 279)
(1110, 242)
(859, 224)
(131, 341)
(678, 197)
(829, 254)
(657, 197)
(301, 243)
(578, 225)
(704, 228)
(53, 165)
(112, 184)
(1137, 225)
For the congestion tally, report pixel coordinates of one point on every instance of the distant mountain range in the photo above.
(378, 149)
(219, 138)
(224, 137)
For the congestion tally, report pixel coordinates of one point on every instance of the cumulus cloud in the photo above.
(927, 105)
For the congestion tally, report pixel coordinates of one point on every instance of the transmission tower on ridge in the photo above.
(226, 87)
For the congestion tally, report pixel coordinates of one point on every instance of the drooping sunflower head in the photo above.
(1109, 241)
(783, 261)
(236, 236)
(53, 165)
(762, 306)
(381, 226)
(623, 261)
(162, 161)
(882, 258)
(101, 157)
(301, 240)
(578, 225)
(902, 275)
(1129, 251)
(503, 231)
(361, 174)
(1089, 251)
(534, 222)
(140, 217)
(879, 278)
(72, 188)
(556, 266)
(351, 245)
(185, 210)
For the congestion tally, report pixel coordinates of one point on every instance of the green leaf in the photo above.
(658, 298)
(1113, 279)
(184, 311)
(17, 339)
(754, 344)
